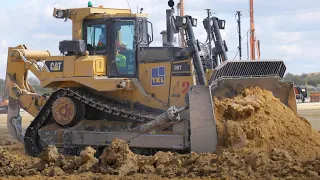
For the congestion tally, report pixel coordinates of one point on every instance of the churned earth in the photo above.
(259, 138)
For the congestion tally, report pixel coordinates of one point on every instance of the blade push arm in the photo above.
(18, 91)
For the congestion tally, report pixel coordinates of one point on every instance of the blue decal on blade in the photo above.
(157, 76)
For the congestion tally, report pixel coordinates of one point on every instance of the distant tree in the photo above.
(304, 75)
(288, 77)
(2, 84)
(312, 81)
(298, 80)
(304, 79)
(33, 81)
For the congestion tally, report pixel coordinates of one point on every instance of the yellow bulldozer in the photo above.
(110, 83)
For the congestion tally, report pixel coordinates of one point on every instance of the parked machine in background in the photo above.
(315, 96)
(3, 105)
(301, 93)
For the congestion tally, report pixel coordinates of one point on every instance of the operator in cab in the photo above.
(121, 59)
(102, 38)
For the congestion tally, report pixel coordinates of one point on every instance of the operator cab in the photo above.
(114, 33)
(118, 39)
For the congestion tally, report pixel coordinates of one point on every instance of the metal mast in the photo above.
(180, 8)
(252, 37)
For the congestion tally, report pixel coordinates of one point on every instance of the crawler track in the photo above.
(32, 140)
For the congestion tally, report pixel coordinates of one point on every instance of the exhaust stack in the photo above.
(164, 37)
(170, 31)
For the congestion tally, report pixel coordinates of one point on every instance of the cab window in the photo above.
(125, 47)
(96, 37)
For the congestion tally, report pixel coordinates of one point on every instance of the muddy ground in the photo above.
(259, 139)
(12, 157)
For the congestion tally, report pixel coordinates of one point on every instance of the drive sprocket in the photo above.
(67, 111)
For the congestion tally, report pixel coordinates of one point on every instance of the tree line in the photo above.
(304, 79)
(34, 82)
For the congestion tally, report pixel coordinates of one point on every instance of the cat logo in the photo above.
(54, 66)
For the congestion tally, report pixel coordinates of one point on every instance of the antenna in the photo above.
(258, 49)
(239, 32)
(248, 44)
(210, 37)
(181, 35)
(252, 37)
(129, 5)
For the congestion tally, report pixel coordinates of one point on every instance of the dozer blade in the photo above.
(14, 121)
(13, 115)
(227, 81)
(203, 129)
(231, 77)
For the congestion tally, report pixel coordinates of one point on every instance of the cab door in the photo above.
(122, 61)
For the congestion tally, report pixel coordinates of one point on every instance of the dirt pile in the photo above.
(119, 160)
(255, 119)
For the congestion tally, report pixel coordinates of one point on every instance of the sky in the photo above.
(287, 30)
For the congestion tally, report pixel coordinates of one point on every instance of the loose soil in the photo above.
(259, 138)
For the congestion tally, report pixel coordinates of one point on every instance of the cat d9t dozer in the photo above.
(110, 83)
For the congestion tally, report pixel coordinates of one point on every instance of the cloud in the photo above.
(293, 50)
(3, 55)
(4, 43)
(232, 1)
(50, 36)
(309, 17)
(287, 37)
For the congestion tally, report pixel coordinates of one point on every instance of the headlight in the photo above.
(222, 24)
(194, 22)
(60, 14)
(184, 20)
(180, 21)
